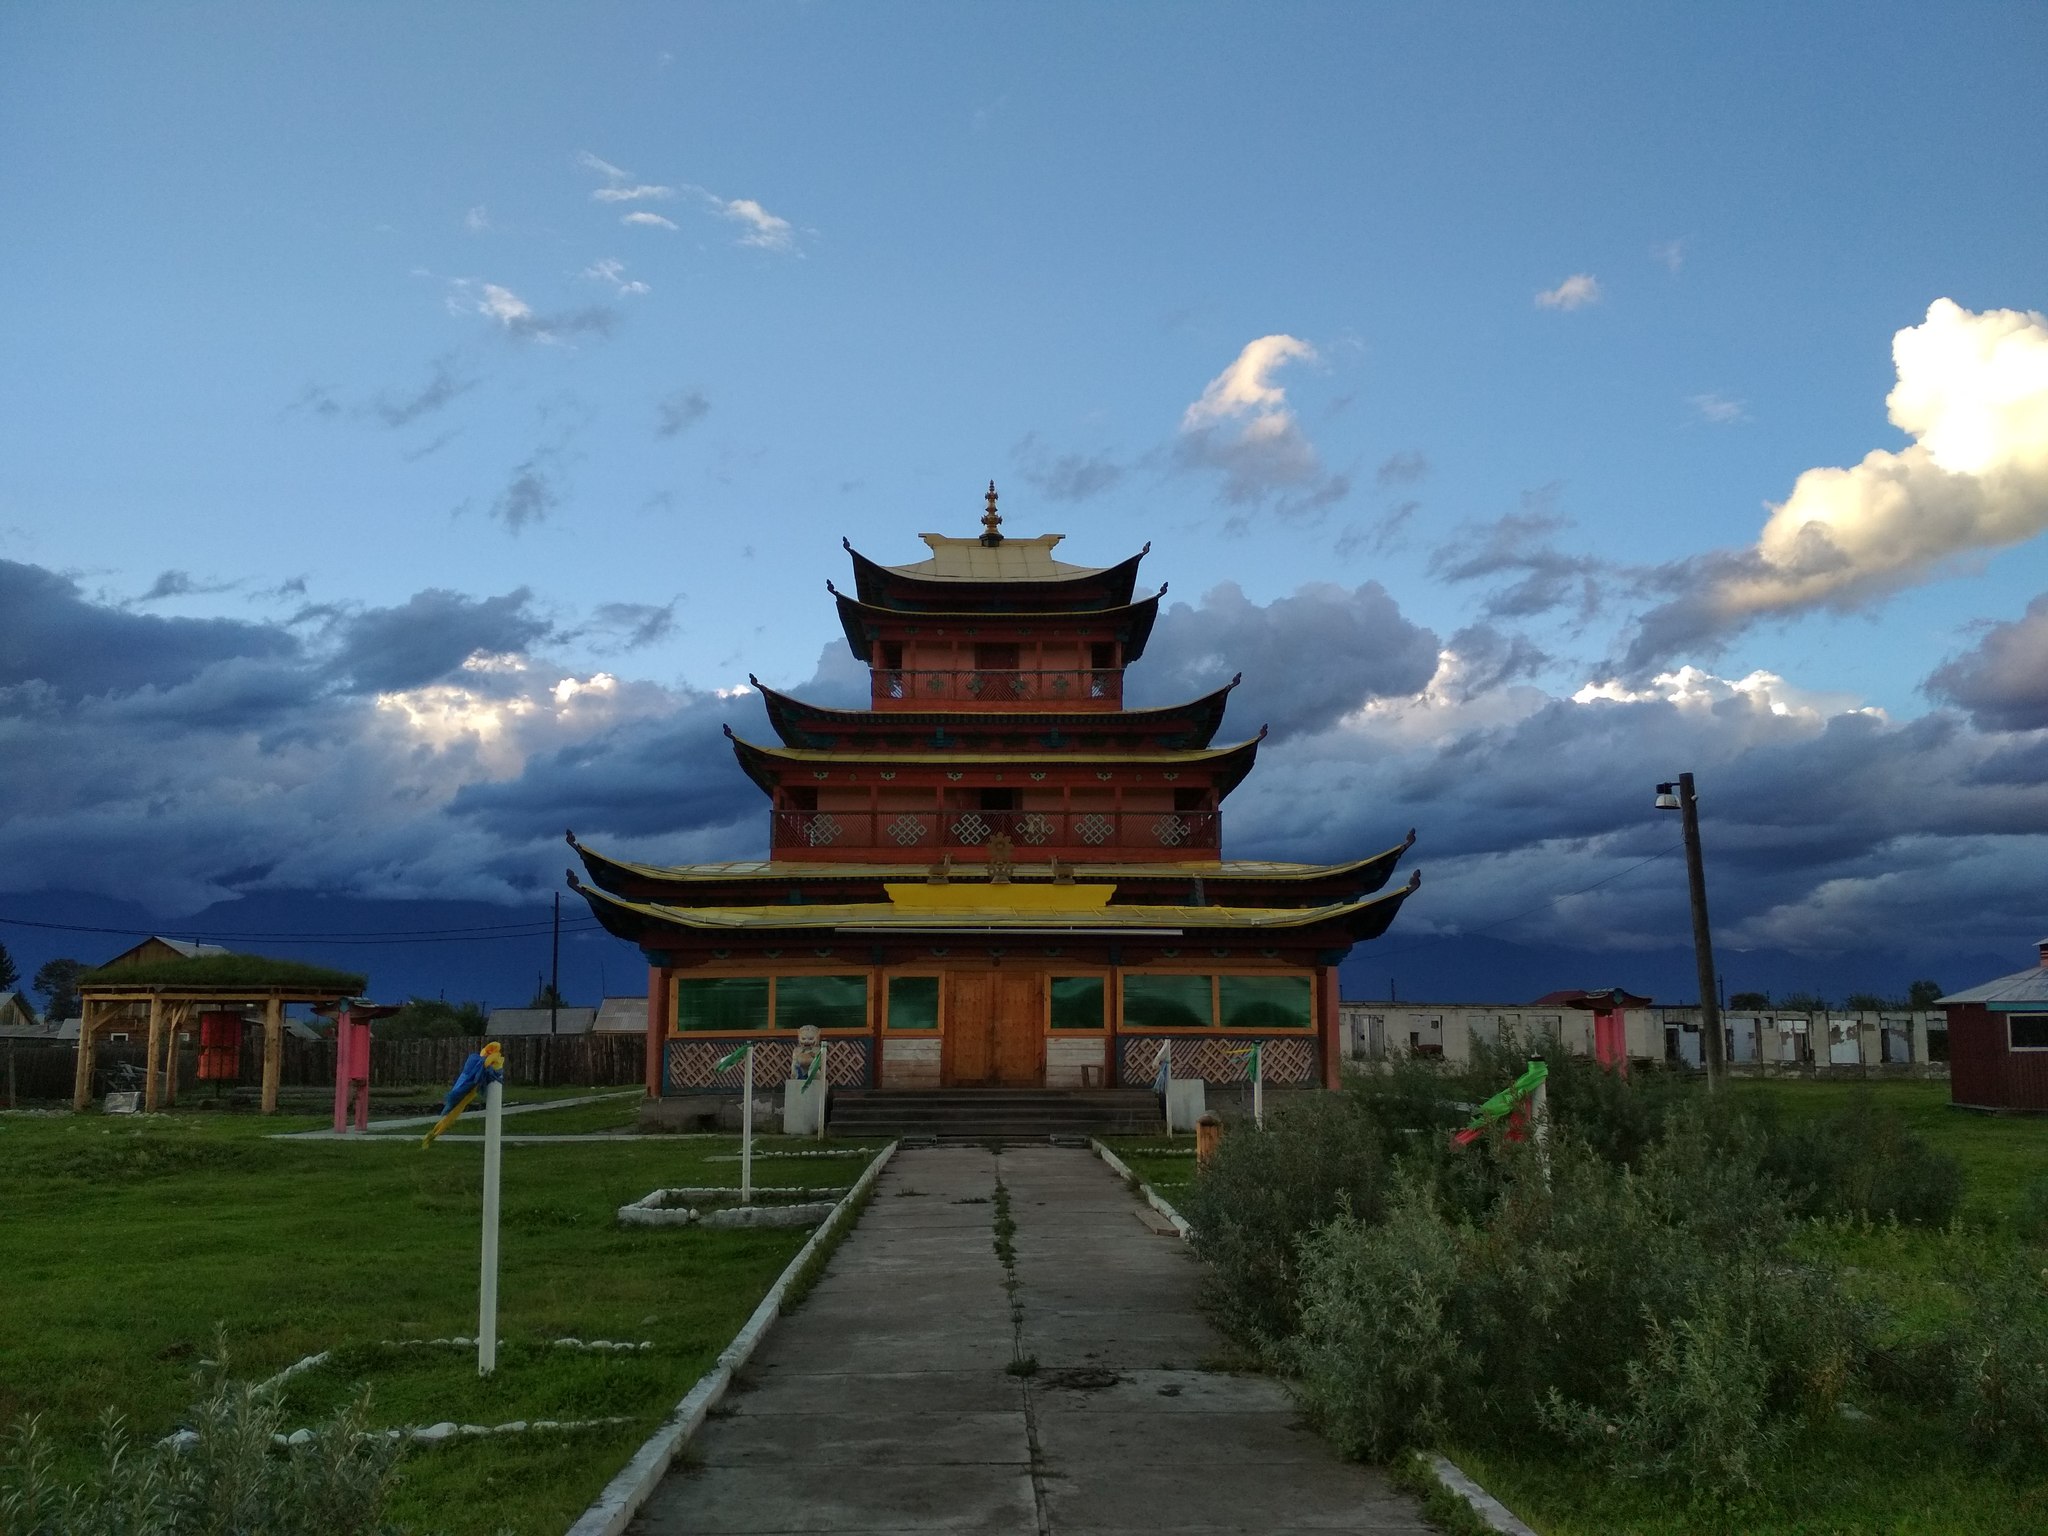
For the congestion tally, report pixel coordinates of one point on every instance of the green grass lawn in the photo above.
(1157, 1161)
(130, 1242)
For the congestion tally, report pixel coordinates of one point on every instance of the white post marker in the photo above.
(824, 1088)
(487, 1288)
(1258, 1087)
(1539, 1123)
(747, 1132)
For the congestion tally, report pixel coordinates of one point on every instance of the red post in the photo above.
(657, 1026)
(1330, 1026)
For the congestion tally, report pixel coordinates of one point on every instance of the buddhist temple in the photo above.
(995, 876)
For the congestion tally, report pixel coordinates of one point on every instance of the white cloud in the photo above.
(648, 220)
(1246, 387)
(633, 194)
(504, 306)
(477, 220)
(1719, 409)
(612, 271)
(1697, 689)
(762, 228)
(1243, 428)
(603, 168)
(1575, 292)
(1972, 393)
(1671, 253)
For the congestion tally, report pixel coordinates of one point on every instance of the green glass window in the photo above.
(722, 1002)
(1266, 1002)
(1167, 1002)
(1077, 1002)
(830, 1002)
(913, 1002)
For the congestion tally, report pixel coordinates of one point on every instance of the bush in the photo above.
(1377, 1354)
(1865, 1162)
(231, 1478)
(1999, 1360)
(1264, 1189)
(2032, 1219)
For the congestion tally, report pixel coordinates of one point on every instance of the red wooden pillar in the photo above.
(1330, 1026)
(657, 1026)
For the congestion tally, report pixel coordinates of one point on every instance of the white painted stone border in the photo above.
(1152, 1196)
(1448, 1472)
(614, 1508)
(1483, 1504)
(670, 1208)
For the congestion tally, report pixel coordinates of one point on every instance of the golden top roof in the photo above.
(1012, 560)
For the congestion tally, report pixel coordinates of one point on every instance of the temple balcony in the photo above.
(1080, 836)
(1079, 688)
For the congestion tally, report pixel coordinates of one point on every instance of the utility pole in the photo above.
(1687, 802)
(555, 964)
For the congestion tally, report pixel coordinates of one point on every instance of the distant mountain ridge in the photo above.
(502, 970)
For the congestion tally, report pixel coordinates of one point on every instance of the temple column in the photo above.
(152, 1091)
(657, 1026)
(273, 1051)
(177, 1017)
(81, 1081)
(1329, 1026)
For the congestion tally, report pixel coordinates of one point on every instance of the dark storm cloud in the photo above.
(643, 778)
(180, 584)
(2002, 680)
(626, 626)
(1274, 467)
(675, 414)
(384, 650)
(530, 495)
(1402, 469)
(1521, 547)
(1490, 658)
(1064, 476)
(1308, 659)
(443, 385)
(51, 634)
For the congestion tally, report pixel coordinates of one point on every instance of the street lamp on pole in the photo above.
(1679, 795)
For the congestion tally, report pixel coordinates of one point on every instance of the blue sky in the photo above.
(317, 310)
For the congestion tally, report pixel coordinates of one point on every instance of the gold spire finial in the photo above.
(991, 521)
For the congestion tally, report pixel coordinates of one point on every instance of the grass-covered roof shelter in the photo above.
(171, 980)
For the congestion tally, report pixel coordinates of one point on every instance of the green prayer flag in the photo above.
(733, 1057)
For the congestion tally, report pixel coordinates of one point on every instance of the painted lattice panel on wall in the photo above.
(690, 1062)
(1288, 1059)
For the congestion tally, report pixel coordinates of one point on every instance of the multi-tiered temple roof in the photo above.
(997, 789)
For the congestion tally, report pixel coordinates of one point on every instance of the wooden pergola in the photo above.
(169, 994)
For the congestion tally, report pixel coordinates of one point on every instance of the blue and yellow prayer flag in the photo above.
(485, 1066)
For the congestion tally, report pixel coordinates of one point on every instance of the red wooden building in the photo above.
(995, 875)
(1998, 1041)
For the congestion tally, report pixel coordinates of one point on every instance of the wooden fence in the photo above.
(43, 1072)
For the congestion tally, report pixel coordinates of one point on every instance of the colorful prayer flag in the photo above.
(481, 1067)
(1502, 1105)
(733, 1057)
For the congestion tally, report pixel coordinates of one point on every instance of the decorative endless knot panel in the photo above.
(1171, 831)
(823, 830)
(1034, 828)
(1094, 829)
(906, 829)
(690, 1062)
(971, 830)
(1284, 1059)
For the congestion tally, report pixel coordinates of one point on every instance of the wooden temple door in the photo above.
(994, 1030)
(1019, 1029)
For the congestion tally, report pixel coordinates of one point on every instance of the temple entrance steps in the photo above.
(1008, 1114)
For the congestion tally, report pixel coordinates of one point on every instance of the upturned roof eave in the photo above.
(873, 580)
(1233, 762)
(786, 711)
(637, 921)
(1136, 616)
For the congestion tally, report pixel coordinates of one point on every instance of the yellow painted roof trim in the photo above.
(1014, 559)
(926, 897)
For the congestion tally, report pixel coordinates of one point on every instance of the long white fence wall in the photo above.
(1900, 1040)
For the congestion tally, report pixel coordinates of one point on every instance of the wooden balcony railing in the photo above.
(919, 834)
(913, 687)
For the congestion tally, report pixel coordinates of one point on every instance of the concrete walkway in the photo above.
(888, 1402)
